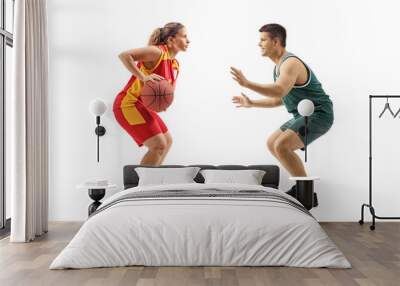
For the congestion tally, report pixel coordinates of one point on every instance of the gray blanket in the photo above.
(206, 193)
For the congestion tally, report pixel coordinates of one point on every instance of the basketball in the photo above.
(157, 95)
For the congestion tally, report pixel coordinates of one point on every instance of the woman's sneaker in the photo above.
(315, 200)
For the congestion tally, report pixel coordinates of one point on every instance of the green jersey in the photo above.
(311, 90)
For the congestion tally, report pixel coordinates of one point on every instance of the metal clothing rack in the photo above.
(369, 205)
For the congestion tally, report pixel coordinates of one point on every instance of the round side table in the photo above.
(96, 193)
(305, 190)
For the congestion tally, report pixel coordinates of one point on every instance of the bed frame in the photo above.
(270, 179)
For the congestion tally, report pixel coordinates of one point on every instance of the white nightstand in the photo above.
(305, 191)
(96, 193)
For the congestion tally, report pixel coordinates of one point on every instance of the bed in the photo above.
(201, 224)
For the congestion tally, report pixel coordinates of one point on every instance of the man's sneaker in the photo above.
(292, 191)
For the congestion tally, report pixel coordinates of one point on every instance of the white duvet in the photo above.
(200, 231)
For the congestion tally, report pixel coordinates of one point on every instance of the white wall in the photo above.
(352, 46)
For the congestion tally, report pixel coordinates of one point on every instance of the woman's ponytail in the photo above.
(160, 35)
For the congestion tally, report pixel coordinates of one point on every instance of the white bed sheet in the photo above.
(200, 231)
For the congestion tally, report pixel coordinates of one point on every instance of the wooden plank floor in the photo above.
(375, 257)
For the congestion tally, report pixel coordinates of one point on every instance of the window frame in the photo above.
(6, 39)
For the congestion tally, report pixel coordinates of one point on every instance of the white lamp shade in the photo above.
(305, 107)
(97, 107)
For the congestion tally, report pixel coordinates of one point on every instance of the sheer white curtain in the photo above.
(28, 122)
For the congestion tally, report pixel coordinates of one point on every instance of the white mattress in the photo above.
(200, 231)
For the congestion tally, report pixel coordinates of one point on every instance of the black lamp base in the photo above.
(100, 130)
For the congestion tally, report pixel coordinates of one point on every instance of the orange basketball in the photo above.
(157, 95)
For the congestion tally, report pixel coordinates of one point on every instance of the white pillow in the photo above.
(248, 177)
(165, 176)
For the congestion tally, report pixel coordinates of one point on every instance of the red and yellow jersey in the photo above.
(129, 98)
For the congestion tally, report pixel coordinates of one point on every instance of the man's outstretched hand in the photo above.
(238, 76)
(242, 101)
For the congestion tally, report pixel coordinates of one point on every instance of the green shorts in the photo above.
(318, 125)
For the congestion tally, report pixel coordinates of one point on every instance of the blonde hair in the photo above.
(160, 35)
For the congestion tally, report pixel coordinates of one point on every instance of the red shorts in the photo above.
(141, 132)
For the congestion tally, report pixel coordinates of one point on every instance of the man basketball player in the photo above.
(293, 82)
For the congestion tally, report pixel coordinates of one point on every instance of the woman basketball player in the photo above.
(152, 63)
